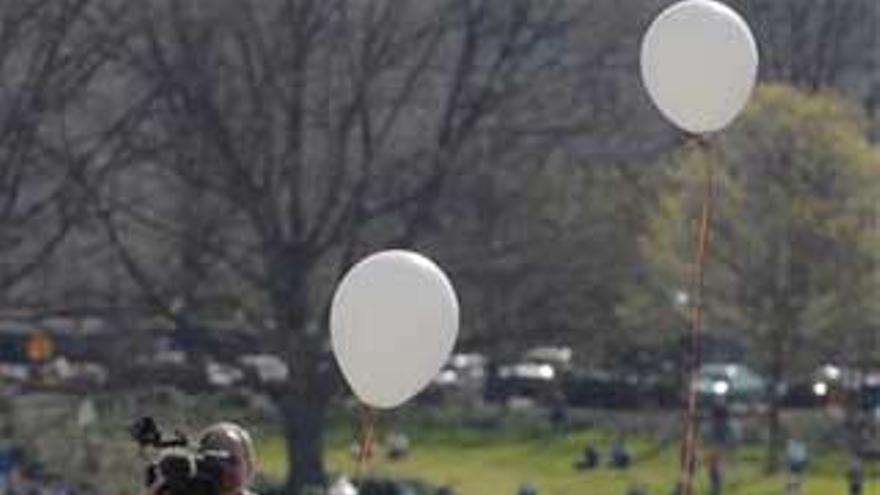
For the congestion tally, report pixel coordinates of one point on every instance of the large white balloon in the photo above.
(393, 323)
(699, 63)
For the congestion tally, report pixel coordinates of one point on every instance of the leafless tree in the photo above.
(286, 139)
(50, 59)
(817, 44)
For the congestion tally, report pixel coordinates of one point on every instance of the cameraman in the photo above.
(238, 468)
(236, 441)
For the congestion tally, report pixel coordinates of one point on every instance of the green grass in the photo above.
(477, 462)
(498, 451)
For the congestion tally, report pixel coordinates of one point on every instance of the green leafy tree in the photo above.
(795, 182)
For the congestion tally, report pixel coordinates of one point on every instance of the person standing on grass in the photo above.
(714, 468)
(558, 409)
(720, 429)
(855, 476)
(796, 455)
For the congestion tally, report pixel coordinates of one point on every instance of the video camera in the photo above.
(178, 468)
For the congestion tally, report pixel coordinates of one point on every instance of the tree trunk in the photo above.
(303, 402)
(774, 436)
(774, 424)
(304, 431)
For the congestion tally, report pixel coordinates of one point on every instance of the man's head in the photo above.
(236, 441)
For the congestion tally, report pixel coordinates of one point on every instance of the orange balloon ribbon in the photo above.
(368, 427)
(690, 440)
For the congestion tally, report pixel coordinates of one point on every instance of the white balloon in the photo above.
(393, 323)
(699, 64)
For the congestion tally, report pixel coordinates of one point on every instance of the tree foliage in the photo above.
(793, 230)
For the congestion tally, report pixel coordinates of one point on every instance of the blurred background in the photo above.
(183, 182)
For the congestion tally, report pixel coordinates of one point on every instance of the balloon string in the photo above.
(689, 445)
(368, 426)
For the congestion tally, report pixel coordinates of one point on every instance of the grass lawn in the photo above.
(476, 462)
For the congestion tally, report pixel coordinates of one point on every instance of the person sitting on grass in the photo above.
(589, 460)
(620, 456)
(527, 488)
(398, 446)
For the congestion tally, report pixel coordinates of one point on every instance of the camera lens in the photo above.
(176, 467)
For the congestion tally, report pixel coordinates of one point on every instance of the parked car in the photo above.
(559, 357)
(824, 386)
(533, 381)
(603, 389)
(223, 375)
(736, 383)
(869, 395)
(265, 369)
(163, 366)
(65, 374)
(15, 373)
(462, 378)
